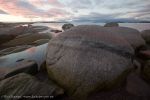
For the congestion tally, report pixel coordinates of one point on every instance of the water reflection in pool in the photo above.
(37, 54)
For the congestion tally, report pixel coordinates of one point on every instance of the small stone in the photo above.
(67, 26)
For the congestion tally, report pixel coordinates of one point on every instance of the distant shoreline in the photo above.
(62, 22)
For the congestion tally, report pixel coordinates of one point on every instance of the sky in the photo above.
(74, 10)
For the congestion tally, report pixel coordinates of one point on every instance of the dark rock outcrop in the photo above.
(80, 59)
(144, 54)
(111, 24)
(56, 31)
(146, 71)
(67, 26)
(27, 87)
(23, 66)
(137, 86)
(26, 39)
(5, 38)
(146, 35)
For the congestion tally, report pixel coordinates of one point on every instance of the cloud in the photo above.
(46, 3)
(97, 18)
(81, 10)
(17, 7)
(31, 8)
(55, 2)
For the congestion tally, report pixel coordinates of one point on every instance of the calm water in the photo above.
(37, 54)
(50, 25)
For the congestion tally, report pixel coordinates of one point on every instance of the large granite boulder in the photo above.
(22, 66)
(23, 86)
(88, 58)
(111, 24)
(67, 26)
(133, 36)
(146, 35)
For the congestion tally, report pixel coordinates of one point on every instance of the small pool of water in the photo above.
(37, 54)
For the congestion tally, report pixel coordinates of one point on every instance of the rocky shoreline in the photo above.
(85, 62)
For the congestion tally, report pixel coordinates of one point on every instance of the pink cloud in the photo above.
(55, 2)
(30, 8)
(12, 8)
(58, 12)
(40, 3)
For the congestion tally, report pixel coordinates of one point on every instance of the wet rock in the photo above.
(40, 42)
(24, 85)
(56, 31)
(39, 28)
(26, 66)
(80, 59)
(23, 35)
(7, 50)
(18, 30)
(20, 60)
(5, 38)
(67, 26)
(14, 49)
(146, 35)
(26, 39)
(15, 30)
(111, 24)
(133, 36)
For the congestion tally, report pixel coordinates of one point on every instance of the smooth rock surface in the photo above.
(133, 36)
(80, 59)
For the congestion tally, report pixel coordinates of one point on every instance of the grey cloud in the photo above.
(30, 7)
(97, 18)
(79, 4)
